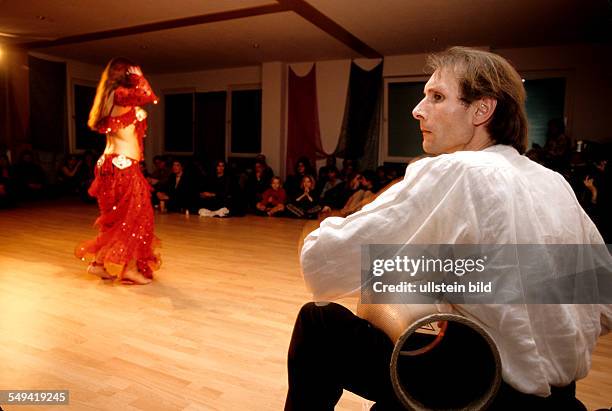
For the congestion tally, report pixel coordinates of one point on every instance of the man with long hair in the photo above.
(478, 189)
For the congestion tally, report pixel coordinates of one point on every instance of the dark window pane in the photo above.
(48, 131)
(86, 139)
(246, 121)
(405, 138)
(210, 111)
(545, 101)
(178, 130)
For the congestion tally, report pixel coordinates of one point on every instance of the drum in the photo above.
(445, 362)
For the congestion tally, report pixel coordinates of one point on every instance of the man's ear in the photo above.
(485, 107)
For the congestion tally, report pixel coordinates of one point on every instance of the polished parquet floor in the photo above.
(211, 333)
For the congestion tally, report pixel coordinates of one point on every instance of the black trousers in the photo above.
(332, 349)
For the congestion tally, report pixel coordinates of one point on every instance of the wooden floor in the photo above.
(211, 333)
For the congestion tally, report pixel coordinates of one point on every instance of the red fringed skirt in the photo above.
(125, 238)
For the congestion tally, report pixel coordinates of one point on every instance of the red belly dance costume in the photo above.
(125, 239)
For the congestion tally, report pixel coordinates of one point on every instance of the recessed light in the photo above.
(41, 18)
(255, 45)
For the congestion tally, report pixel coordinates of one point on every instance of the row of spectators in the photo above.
(184, 184)
(185, 187)
(26, 180)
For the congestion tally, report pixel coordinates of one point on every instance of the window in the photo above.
(401, 135)
(210, 125)
(178, 128)
(196, 123)
(245, 122)
(545, 101)
(85, 138)
(402, 138)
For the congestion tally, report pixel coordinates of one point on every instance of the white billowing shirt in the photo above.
(492, 196)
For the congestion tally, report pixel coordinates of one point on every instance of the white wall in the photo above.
(273, 114)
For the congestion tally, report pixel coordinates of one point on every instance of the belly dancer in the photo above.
(125, 245)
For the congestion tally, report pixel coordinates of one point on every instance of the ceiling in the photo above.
(189, 35)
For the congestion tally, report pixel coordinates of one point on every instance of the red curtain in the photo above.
(303, 134)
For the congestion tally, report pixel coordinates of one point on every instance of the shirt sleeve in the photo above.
(439, 201)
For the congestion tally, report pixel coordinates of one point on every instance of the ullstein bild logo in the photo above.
(432, 287)
(486, 274)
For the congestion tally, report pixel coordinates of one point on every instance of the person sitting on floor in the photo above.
(273, 199)
(217, 198)
(180, 191)
(306, 203)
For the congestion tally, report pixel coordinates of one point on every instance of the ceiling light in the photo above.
(255, 45)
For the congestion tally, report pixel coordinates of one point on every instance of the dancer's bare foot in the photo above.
(134, 277)
(100, 271)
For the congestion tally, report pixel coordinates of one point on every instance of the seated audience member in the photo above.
(392, 171)
(69, 174)
(350, 187)
(218, 195)
(293, 184)
(332, 194)
(382, 180)
(7, 195)
(349, 167)
(306, 203)
(160, 174)
(273, 199)
(257, 183)
(30, 180)
(361, 197)
(180, 191)
(330, 162)
(268, 172)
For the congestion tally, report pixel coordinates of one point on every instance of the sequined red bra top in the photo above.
(137, 93)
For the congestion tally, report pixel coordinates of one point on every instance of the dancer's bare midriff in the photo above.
(123, 141)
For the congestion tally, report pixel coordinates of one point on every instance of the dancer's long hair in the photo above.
(113, 76)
